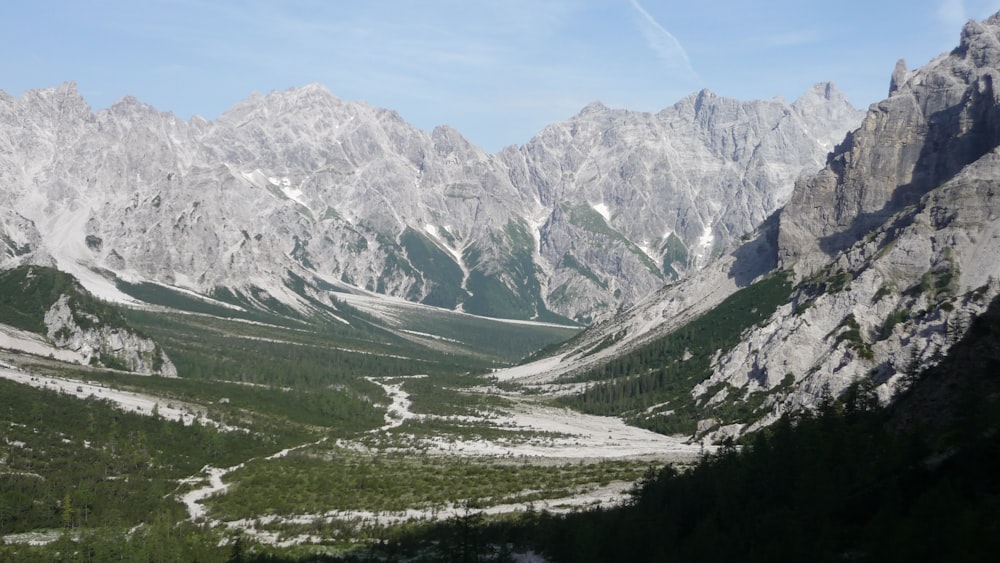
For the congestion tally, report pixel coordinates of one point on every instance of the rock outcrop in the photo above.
(895, 242)
(888, 307)
(102, 345)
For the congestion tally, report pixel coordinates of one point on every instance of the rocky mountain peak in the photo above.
(592, 108)
(62, 102)
(129, 107)
(310, 95)
(279, 105)
(979, 41)
(822, 91)
(821, 104)
(695, 101)
(448, 140)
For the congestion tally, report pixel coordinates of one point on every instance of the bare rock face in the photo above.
(895, 243)
(638, 199)
(103, 345)
(590, 216)
(889, 306)
(899, 76)
(19, 238)
(936, 121)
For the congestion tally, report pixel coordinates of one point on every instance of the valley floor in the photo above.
(556, 437)
(572, 461)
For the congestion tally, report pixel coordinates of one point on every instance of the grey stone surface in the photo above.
(301, 181)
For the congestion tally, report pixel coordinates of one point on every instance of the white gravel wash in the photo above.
(192, 499)
(399, 409)
(14, 339)
(125, 400)
(608, 496)
(562, 433)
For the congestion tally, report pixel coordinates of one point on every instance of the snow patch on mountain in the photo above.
(703, 247)
(602, 208)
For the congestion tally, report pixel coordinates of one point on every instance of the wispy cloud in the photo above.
(666, 46)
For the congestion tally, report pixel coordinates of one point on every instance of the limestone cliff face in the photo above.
(896, 243)
(102, 345)
(19, 238)
(640, 199)
(590, 216)
(935, 121)
(889, 306)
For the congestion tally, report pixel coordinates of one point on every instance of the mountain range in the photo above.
(292, 193)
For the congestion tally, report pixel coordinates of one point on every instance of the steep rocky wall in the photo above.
(889, 306)
(103, 345)
(935, 121)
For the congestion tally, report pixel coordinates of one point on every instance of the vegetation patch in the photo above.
(885, 290)
(511, 289)
(935, 284)
(492, 341)
(606, 342)
(894, 318)
(442, 396)
(317, 482)
(440, 272)
(585, 217)
(71, 463)
(410, 435)
(212, 348)
(826, 281)
(852, 335)
(28, 292)
(674, 252)
(156, 294)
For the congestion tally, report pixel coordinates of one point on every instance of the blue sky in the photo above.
(498, 71)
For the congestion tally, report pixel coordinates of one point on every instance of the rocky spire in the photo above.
(898, 76)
